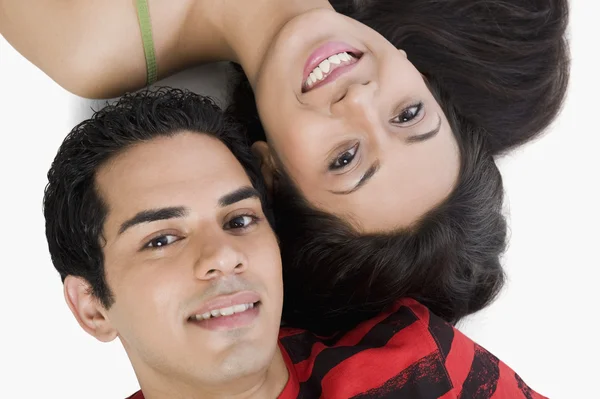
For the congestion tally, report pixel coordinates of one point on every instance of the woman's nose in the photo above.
(358, 103)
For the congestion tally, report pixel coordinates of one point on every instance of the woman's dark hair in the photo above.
(335, 277)
(504, 64)
(499, 69)
(74, 210)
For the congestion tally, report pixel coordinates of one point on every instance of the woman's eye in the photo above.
(240, 222)
(162, 241)
(344, 159)
(409, 114)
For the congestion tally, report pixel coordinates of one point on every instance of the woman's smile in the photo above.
(327, 63)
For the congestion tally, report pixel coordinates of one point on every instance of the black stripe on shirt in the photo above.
(443, 334)
(482, 380)
(377, 337)
(425, 379)
(299, 346)
(527, 392)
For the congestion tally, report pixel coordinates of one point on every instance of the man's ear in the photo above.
(87, 309)
(268, 168)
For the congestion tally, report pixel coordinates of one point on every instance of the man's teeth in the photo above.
(321, 71)
(223, 312)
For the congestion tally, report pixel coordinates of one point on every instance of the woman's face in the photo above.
(353, 123)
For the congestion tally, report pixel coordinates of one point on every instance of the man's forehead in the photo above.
(170, 172)
(174, 158)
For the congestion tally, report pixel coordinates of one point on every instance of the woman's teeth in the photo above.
(222, 312)
(326, 67)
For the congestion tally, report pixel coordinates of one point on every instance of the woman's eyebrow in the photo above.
(363, 180)
(418, 138)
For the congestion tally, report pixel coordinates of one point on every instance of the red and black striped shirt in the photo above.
(406, 352)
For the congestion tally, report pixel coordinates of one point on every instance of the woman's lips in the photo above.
(328, 62)
(331, 76)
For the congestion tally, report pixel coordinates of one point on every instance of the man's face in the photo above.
(191, 260)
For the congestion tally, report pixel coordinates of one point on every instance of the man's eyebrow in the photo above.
(418, 138)
(153, 215)
(238, 195)
(363, 180)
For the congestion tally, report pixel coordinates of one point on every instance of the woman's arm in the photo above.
(93, 48)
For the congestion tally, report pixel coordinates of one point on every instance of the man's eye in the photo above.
(409, 114)
(161, 241)
(344, 159)
(240, 222)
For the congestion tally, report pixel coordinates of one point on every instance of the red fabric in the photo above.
(292, 387)
(406, 352)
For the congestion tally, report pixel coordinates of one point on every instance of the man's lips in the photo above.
(242, 319)
(225, 305)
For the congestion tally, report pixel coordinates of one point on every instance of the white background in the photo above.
(545, 325)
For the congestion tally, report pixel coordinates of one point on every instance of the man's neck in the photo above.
(267, 384)
(247, 28)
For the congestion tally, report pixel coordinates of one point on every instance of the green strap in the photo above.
(146, 28)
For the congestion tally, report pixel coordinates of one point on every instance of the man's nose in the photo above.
(218, 257)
